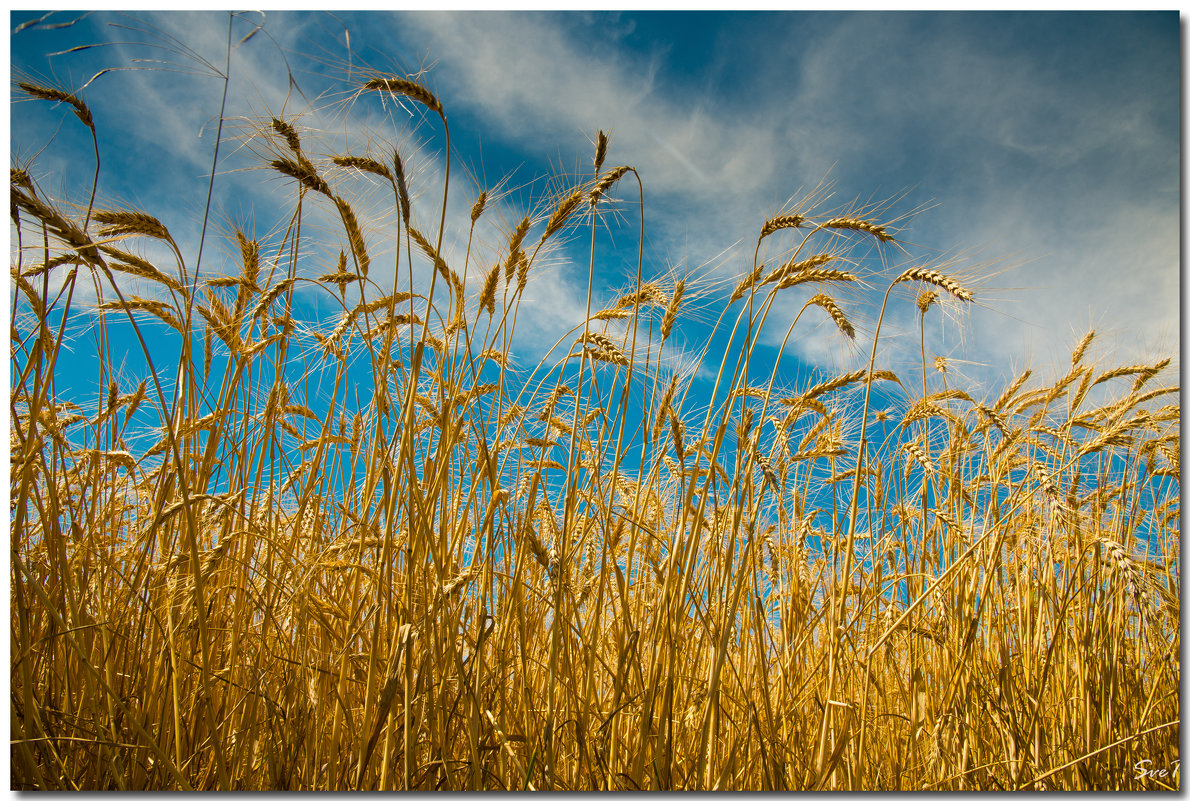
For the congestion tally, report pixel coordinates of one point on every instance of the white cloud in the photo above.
(1074, 179)
(1011, 151)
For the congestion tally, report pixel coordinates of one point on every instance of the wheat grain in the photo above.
(746, 284)
(915, 450)
(438, 262)
(853, 224)
(561, 213)
(156, 308)
(62, 228)
(122, 222)
(288, 133)
(60, 96)
(487, 296)
(791, 268)
(832, 384)
(1081, 348)
(815, 277)
(671, 311)
(402, 187)
(134, 265)
(304, 173)
(271, 294)
(648, 295)
(611, 314)
(937, 279)
(601, 143)
(364, 164)
(780, 222)
(407, 88)
(496, 356)
(355, 237)
(832, 308)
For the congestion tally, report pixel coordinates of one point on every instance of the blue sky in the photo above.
(1040, 149)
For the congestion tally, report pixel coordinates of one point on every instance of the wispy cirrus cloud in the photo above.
(1062, 174)
(1049, 144)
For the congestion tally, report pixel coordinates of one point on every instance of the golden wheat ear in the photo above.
(59, 96)
(937, 279)
(561, 213)
(304, 173)
(407, 88)
(118, 223)
(605, 183)
(832, 308)
(601, 143)
(287, 132)
(364, 164)
(781, 222)
(853, 224)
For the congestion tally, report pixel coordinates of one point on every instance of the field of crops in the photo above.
(272, 546)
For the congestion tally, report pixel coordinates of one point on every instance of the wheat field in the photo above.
(386, 550)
